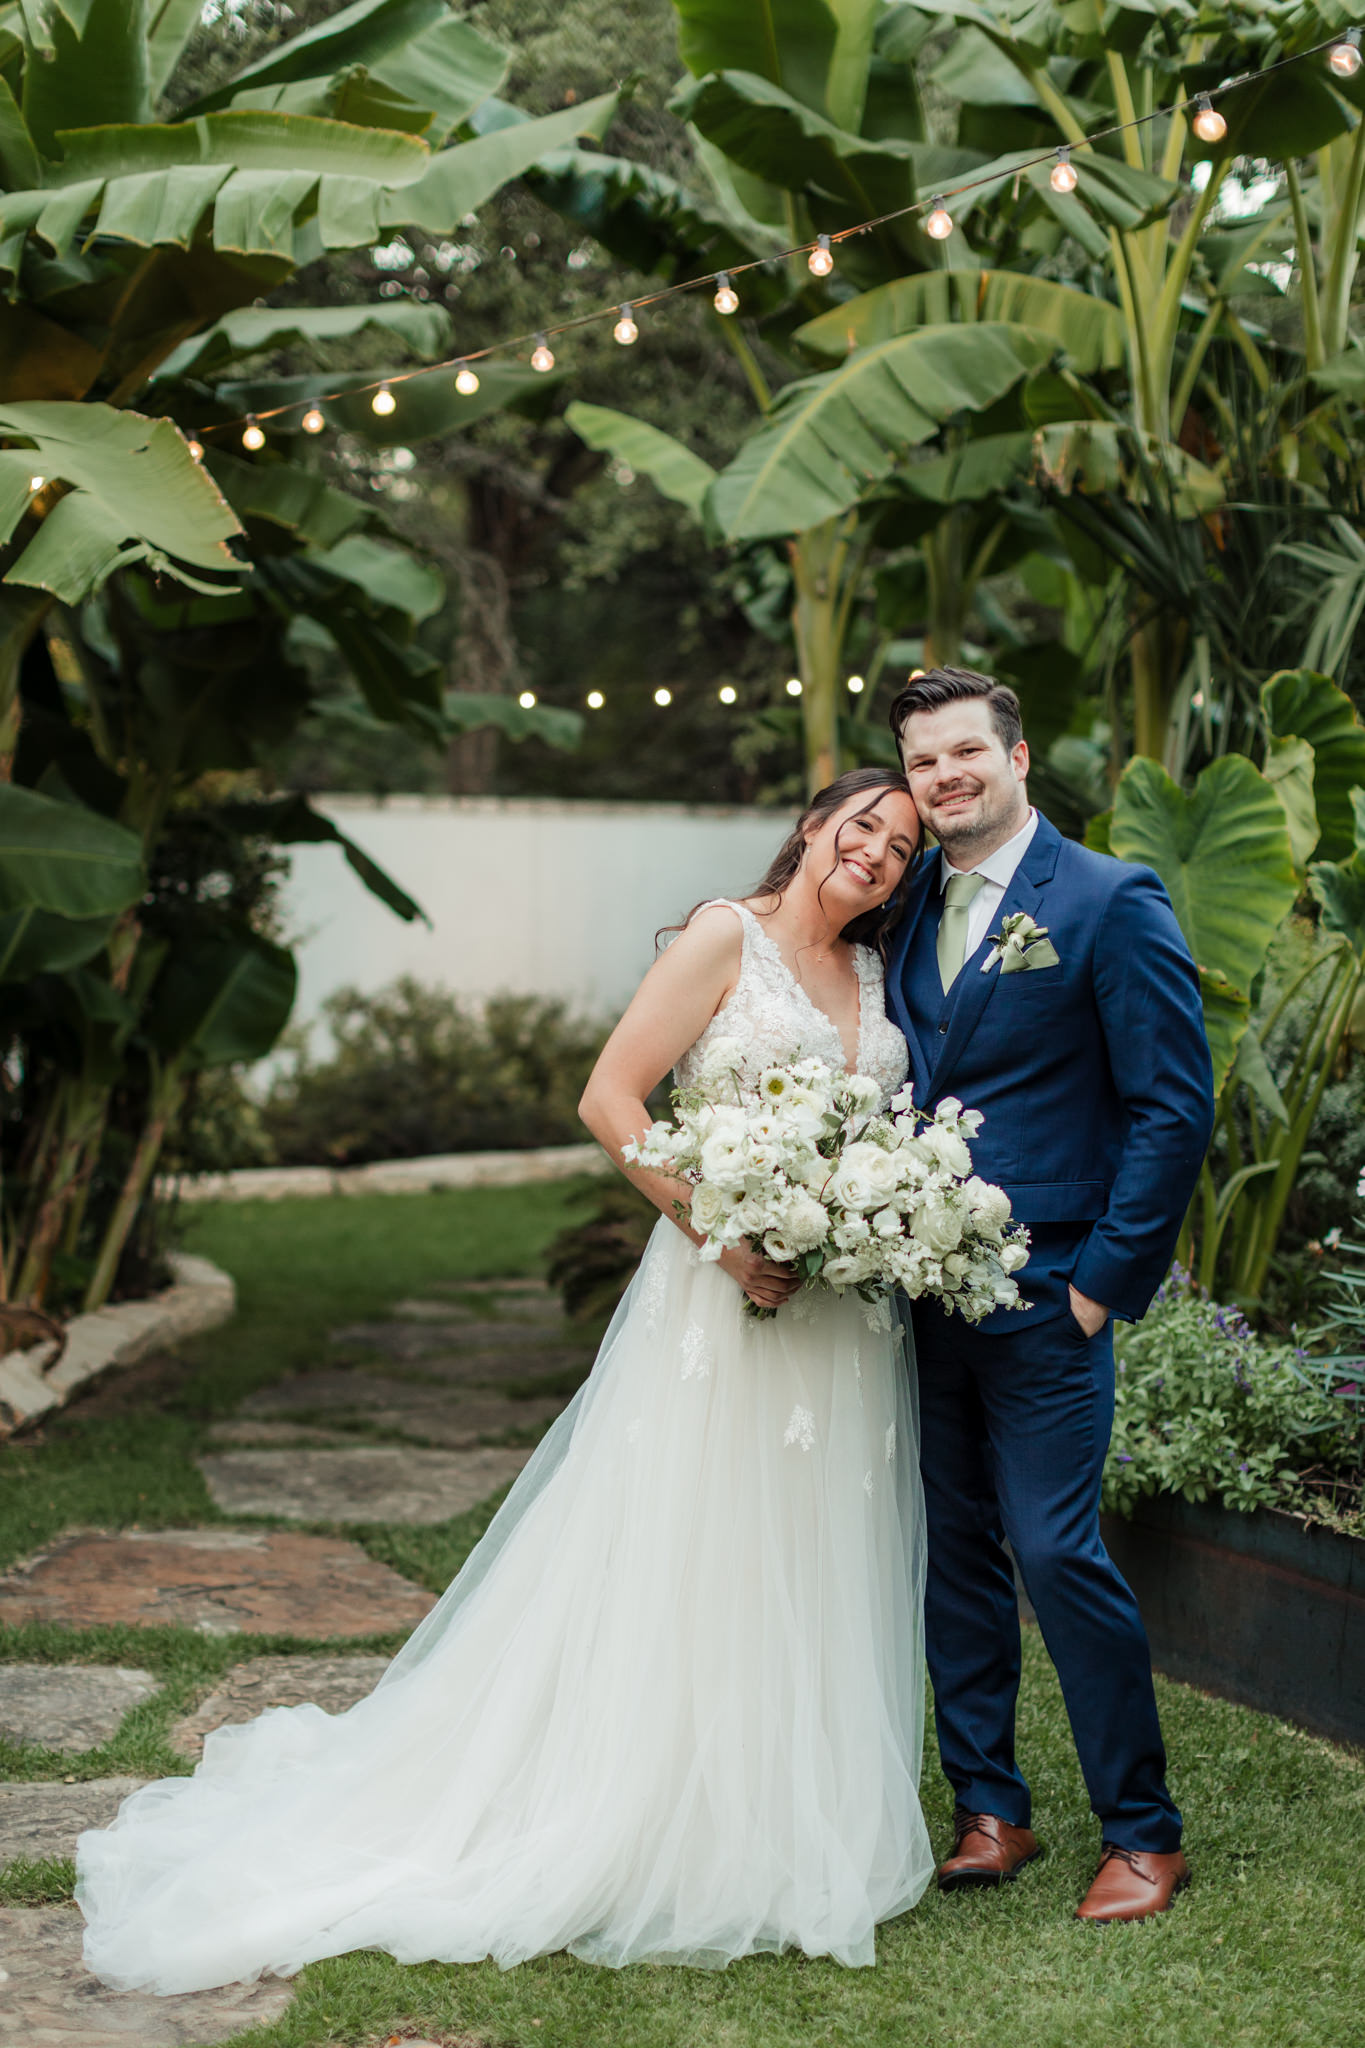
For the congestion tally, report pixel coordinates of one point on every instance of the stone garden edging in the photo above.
(391, 1176)
(201, 1296)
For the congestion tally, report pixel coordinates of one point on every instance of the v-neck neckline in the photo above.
(850, 1065)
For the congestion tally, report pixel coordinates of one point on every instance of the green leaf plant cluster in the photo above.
(163, 616)
(1206, 1408)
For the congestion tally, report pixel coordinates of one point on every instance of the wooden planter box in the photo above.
(1255, 1607)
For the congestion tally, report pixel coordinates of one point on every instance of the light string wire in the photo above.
(693, 284)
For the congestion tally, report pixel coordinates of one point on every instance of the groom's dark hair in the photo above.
(936, 687)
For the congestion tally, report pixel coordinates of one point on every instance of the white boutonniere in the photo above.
(1020, 944)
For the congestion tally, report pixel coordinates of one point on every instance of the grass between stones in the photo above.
(1264, 1952)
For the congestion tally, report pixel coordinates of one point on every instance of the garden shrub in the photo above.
(1208, 1409)
(413, 1071)
(593, 1261)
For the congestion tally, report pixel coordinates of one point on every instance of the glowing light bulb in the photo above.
(940, 222)
(313, 421)
(727, 298)
(794, 686)
(252, 437)
(1062, 177)
(727, 693)
(466, 383)
(820, 262)
(625, 329)
(35, 483)
(527, 699)
(383, 401)
(1208, 123)
(595, 700)
(542, 355)
(662, 697)
(196, 449)
(856, 685)
(1344, 57)
(917, 672)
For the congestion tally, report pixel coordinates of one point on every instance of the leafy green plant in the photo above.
(593, 1260)
(414, 1071)
(1207, 1409)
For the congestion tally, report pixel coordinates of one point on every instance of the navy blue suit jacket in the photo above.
(1093, 1076)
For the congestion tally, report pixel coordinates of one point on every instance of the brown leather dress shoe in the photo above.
(1133, 1884)
(986, 1851)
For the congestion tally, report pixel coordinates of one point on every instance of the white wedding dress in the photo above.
(671, 1709)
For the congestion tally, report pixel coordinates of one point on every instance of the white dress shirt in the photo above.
(998, 869)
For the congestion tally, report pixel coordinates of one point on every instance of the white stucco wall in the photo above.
(525, 894)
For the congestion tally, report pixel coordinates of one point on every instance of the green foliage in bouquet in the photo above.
(413, 1071)
(1208, 1409)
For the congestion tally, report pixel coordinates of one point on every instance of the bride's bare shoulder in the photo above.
(712, 937)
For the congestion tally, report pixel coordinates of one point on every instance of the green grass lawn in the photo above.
(1267, 1950)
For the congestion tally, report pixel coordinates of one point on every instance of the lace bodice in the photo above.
(775, 1020)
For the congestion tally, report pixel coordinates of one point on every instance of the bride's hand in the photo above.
(763, 1280)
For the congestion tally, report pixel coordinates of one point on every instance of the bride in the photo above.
(672, 1708)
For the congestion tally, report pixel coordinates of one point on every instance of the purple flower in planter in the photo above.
(1124, 1458)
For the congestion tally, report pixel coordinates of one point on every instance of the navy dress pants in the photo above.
(1015, 1427)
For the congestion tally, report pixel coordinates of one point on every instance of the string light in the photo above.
(527, 700)
(917, 672)
(794, 686)
(1208, 123)
(1344, 57)
(727, 693)
(35, 483)
(383, 401)
(940, 221)
(855, 684)
(662, 697)
(595, 700)
(542, 355)
(313, 420)
(820, 262)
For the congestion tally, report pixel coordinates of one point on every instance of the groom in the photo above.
(1050, 988)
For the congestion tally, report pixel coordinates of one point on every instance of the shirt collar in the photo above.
(999, 866)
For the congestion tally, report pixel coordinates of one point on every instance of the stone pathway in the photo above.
(413, 1419)
(68, 1706)
(50, 1997)
(222, 1582)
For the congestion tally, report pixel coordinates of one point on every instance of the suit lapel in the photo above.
(899, 966)
(975, 988)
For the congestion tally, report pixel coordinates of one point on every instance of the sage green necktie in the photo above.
(961, 893)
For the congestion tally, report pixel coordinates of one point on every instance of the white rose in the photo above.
(778, 1246)
(709, 1207)
(851, 1268)
(851, 1231)
(865, 1178)
(1013, 1256)
(857, 1094)
(937, 1225)
(990, 1205)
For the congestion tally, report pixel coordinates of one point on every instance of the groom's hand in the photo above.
(1091, 1315)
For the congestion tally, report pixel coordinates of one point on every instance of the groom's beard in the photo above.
(978, 828)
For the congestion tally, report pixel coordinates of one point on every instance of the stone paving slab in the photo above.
(52, 2001)
(372, 1483)
(412, 1341)
(332, 1683)
(68, 1706)
(220, 1581)
(525, 1310)
(449, 1417)
(43, 1820)
(261, 1434)
(504, 1368)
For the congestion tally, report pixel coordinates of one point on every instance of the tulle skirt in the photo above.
(671, 1710)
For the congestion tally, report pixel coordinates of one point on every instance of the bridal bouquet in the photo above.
(810, 1170)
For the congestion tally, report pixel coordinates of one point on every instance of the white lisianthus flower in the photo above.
(903, 1101)
(887, 1223)
(851, 1231)
(865, 1178)
(850, 1269)
(971, 1121)
(1013, 1256)
(1006, 1293)
(857, 1095)
(990, 1205)
(947, 1148)
(936, 1224)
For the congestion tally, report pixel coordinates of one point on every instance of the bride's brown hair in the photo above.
(874, 927)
